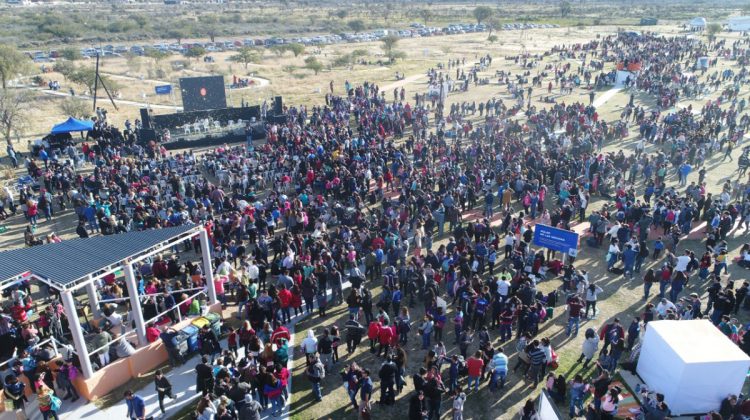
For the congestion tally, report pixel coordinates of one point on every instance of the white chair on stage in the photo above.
(217, 125)
(196, 127)
(206, 125)
(230, 123)
(187, 128)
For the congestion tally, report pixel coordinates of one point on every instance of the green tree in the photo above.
(212, 31)
(312, 63)
(389, 47)
(14, 107)
(356, 25)
(426, 15)
(492, 24)
(492, 38)
(141, 20)
(12, 63)
(341, 13)
(296, 48)
(64, 67)
(565, 8)
(245, 55)
(156, 55)
(195, 52)
(75, 107)
(177, 34)
(71, 54)
(86, 77)
(712, 29)
(482, 13)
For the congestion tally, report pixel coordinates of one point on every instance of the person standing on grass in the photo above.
(592, 295)
(474, 366)
(574, 315)
(163, 389)
(365, 391)
(316, 372)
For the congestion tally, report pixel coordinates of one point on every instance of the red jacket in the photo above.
(285, 297)
(373, 330)
(296, 300)
(385, 335)
(279, 333)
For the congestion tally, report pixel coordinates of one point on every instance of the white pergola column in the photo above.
(135, 303)
(69, 303)
(93, 298)
(208, 270)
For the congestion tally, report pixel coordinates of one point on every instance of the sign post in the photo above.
(564, 241)
(163, 89)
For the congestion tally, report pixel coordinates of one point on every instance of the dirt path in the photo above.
(104, 98)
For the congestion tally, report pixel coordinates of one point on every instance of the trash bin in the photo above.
(181, 341)
(215, 320)
(201, 322)
(191, 331)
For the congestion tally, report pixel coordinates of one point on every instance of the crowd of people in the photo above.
(346, 197)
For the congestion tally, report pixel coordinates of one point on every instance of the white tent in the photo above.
(622, 76)
(739, 23)
(698, 24)
(692, 363)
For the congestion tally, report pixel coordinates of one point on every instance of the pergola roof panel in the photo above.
(66, 262)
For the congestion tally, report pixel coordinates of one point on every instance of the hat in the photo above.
(248, 398)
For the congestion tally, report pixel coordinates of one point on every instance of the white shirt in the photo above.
(253, 272)
(682, 263)
(662, 308)
(224, 268)
(503, 287)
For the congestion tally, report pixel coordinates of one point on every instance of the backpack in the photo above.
(403, 327)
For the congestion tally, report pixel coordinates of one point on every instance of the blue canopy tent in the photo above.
(72, 125)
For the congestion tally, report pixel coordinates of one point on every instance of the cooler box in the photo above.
(191, 332)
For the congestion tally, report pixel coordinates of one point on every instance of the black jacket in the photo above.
(417, 407)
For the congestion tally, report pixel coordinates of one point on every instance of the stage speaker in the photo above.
(146, 135)
(145, 118)
(277, 119)
(277, 105)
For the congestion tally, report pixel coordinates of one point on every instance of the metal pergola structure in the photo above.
(79, 263)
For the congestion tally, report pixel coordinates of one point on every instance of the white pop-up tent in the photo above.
(622, 76)
(692, 363)
(697, 24)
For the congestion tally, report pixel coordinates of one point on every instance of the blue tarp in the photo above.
(72, 125)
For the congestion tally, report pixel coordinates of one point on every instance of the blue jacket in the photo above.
(136, 407)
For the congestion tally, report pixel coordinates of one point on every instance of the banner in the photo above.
(556, 239)
(163, 89)
(546, 407)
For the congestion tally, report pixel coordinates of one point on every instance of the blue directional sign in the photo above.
(556, 239)
(163, 89)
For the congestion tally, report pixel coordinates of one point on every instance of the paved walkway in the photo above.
(183, 385)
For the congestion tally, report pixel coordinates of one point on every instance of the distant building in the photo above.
(739, 23)
(697, 24)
